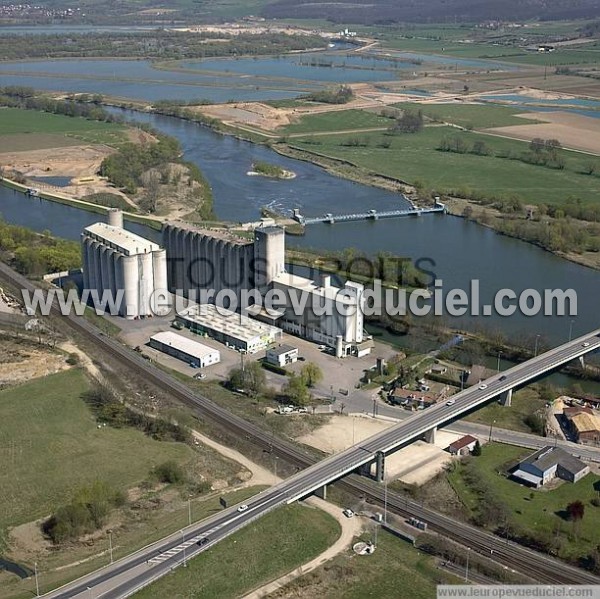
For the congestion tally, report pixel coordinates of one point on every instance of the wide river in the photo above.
(458, 251)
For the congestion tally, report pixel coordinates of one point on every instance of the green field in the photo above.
(51, 446)
(470, 116)
(587, 54)
(338, 121)
(262, 551)
(415, 159)
(395, 571)
(22, 130)
(524, 402)
(538, 515)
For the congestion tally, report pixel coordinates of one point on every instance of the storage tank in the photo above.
(146, 283)
(130, 307)
(159, 268)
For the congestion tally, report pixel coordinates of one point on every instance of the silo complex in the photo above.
(131, 268)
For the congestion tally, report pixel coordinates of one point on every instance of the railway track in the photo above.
(537, 566)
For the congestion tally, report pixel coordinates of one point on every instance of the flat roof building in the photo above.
(232, 329)
(188, 350)
(130, 268)
(282, 355)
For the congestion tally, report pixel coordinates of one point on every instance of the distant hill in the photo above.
(433, 11)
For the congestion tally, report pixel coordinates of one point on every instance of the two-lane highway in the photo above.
(133, 572)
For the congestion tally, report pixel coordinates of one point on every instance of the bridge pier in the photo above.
(322, 492)
(506, 398)
(380, 466)
(582, 361)
(430, 435)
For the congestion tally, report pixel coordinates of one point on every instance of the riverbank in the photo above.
(148, 221)
(488, 217)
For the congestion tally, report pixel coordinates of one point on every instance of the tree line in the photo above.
(156, 44)
(16, 96)
(33, 254)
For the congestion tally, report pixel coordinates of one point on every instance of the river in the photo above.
(458, 250)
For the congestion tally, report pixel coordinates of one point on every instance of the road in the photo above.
(126, 576)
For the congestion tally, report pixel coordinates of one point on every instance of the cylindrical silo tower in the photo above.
(130, 307)
(159, 268)
(115, 218)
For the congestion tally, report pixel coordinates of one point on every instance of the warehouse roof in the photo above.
(189, 346)
(227, 322)
(126, 242)
(549, 456)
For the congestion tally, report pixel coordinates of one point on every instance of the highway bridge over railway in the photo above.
(126, 576)
(152, 564)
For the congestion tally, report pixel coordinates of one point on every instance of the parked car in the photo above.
(348, 513)
(200, 376)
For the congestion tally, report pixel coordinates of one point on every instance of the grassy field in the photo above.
(415, 158)
(524, 402)
(45, 426)
(588, 54)
(259, 553)
(470, 116)
(337, 121)
(395, 571)
(539, 514)
(22, 130)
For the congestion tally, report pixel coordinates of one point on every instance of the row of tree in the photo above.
(33, 254)
(155, 44)
(251, 379)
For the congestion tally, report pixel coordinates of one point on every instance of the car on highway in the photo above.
(202, 542)
(585, 344)
(502, 378)
(242, 508)
(483, 386)
(450, 402)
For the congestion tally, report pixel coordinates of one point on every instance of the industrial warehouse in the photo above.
(218, 260)
(214, 261)
(190, 351)
(234, 330)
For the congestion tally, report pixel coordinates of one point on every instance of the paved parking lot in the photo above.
(337, 373)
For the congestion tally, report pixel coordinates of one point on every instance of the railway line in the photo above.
(537, 566)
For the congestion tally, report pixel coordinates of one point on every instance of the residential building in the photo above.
(462, 446)
(547, 464)
(584, 425)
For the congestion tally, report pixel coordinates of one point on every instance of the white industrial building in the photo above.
(120, 262)
(282, 355)
(232, 329)
(216, 260)
(331, 315)
(188, 350)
